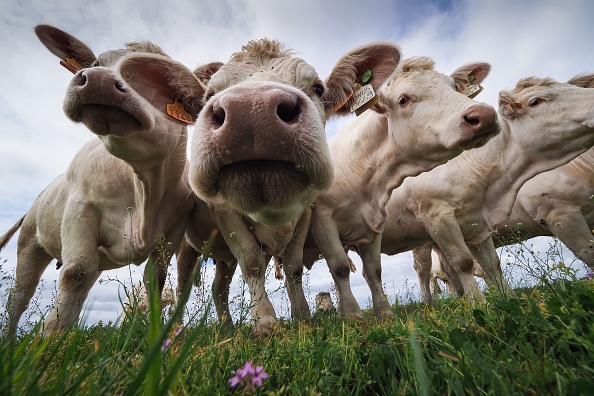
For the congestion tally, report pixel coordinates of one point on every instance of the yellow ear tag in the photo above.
(363, 99)
(177, 111)
(71, 65)
(472, 90)
(339, 106)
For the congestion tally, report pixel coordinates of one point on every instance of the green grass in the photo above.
(539, 343)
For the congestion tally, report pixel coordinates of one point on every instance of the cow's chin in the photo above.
(106, 120)
(269, 192)
(477, 141)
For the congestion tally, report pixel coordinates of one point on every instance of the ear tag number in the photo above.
(363, 99)
(472, 90)
(177, 111)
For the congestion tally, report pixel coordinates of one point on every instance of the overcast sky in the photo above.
(37, 141)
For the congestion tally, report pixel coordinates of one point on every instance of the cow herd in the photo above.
(262, 180)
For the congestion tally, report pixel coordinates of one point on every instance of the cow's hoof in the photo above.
(264, 327)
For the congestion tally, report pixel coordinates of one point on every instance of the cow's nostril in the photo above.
(80, 79)
(120, 87)
(472, 120)
(218, 115)
(287, 112)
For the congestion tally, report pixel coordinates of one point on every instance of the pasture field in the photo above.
(540, 343)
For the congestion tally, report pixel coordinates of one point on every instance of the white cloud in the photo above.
(544, 38)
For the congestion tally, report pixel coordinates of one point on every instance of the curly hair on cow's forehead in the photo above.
(263, 48)
(145, 46)
(528, 82)
(418, 63)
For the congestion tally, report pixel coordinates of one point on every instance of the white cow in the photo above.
(121, 190)
(545, 124)
(556, 203)
(420, 121)
(260, 157)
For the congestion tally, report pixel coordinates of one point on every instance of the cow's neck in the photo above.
(584, 163)
(161, 192)
(506, 166)
(370, 161)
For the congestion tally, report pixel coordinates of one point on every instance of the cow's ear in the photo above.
(583, 80)
(472, 73)
(369, 64)
(163, 82)
(69, 49)
(507, 106)
(205, 72)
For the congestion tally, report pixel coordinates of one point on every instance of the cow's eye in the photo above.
(318, 90)
(403, 100)
(535, 102)
(209, 94)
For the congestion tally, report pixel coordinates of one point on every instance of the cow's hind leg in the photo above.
(32, 261)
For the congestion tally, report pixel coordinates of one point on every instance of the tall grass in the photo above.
(541, 342)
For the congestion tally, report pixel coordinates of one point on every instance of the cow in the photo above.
(456, 206)
(121, 190)
(420, 121)
(259, 155)
(555, 203)
(423, 121)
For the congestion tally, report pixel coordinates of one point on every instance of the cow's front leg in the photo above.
(80, 269)
(220, 290)
(328, 241)
(293, 267)
(422, 263)
(486, 255)
(448, 236)
(251, 258)
(372, 272)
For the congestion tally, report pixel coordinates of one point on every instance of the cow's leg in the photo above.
(187, 261)
(32, 260)
(293, 267)
(422, 263)
(328, 241)
(448, 236)
(220, 290)
(246, 249)
(573, 230)
(486, 255)
(80, 269)
(372, 272)
(460, 273)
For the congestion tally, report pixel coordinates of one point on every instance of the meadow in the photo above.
(541, 342)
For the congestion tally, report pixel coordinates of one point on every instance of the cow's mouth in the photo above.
(480, 140)
(105, 120)
(254, 184)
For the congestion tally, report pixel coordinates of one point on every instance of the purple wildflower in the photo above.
(166, 344)
(249, 376)
(178, 331)
(590, 274)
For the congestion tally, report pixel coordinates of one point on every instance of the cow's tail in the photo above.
(6, 237)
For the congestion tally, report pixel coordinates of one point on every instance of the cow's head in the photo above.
(259, 145)
(429, 117)
(135, 91)
(550, 120)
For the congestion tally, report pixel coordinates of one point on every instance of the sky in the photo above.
(37, 141)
